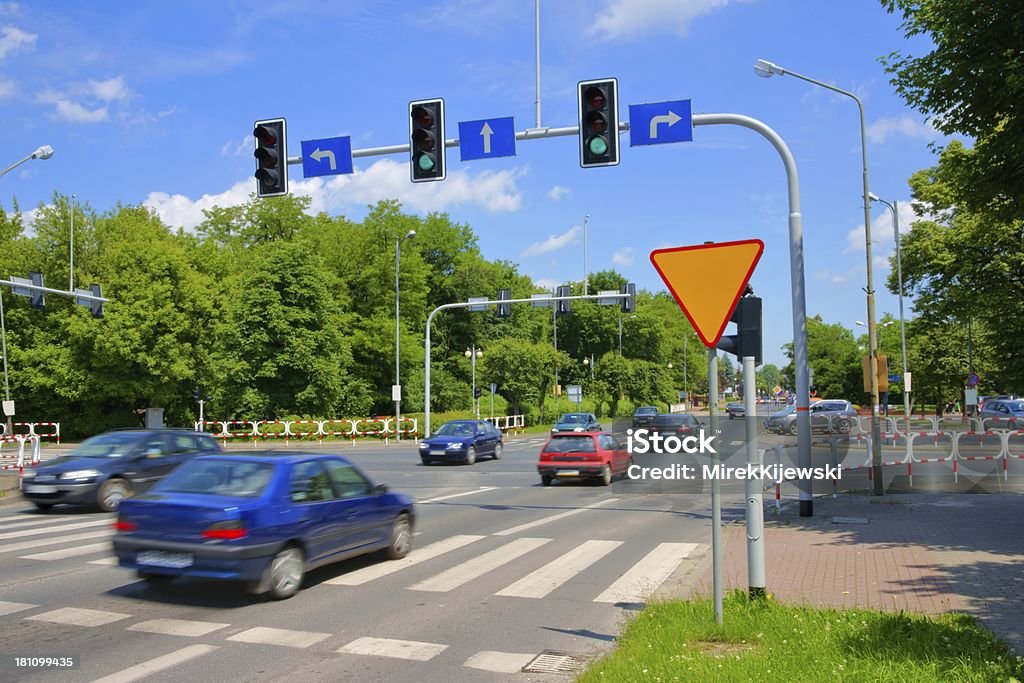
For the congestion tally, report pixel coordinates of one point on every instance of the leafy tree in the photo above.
(835, 357)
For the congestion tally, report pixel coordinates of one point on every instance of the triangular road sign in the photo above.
(707, 281)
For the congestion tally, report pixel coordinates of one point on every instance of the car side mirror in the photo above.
(380, 489)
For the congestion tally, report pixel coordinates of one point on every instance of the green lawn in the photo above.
(766, 641)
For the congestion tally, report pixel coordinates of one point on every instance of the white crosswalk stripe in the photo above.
(553, 518)
(140, 671)
(49, 530)
(637, 584)
(12, 607)
(397, 649)
(361, 576)
(478, 566)
(76, 616)
(37, 520)
(552, 575)
(65, 553)
(279, 636)
(177, 627)
(54, 540)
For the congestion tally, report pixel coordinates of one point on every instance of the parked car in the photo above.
(1003, 411)
(644, 416)
(735, 410)
(827, 417)
(462, 441)
(576, 422)
(574, 455)
(105, 469)
(262, 517)
(675, 423)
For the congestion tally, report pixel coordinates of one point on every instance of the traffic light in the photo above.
(477, 392)
(599, 122)
(747, 340)
(96, 306)
(271, 158)
(628, 304)
(504, 309)
(36, 298)
(426, 134)
(563, 306)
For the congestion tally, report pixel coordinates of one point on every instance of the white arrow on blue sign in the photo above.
(660, 122)
(330, 156)
(487, 138)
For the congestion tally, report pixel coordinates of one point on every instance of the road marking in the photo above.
(75, 616)
(279, 636)
(50, 530)
(644, 577)
(68, 552)
(140, 671)
(456, 495)
(552, 575)
(553, 518)
(366, 574)
(397, 649)
(736, 443)
(36, 520)
(499, 662)
(25, 545)
(478, 566)
(177, 627)
(107, 561)
(12, 607)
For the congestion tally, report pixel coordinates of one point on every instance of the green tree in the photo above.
(833, 353)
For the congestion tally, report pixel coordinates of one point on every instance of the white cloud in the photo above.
(13, 39)
(180, 211)
(557, 192)
(235, 149)
(554, 242)
(624, 257)
(627, 19)
(7, 88)
(109, 90)
(887, 126)
(76, 113)
(881, 229)
(546, 283)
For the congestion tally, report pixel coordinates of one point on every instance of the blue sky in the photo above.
(153, 103)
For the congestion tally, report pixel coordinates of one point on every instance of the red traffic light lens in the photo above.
(422, 117)
(265, 135)
(595, 97)
(597, 122)
(423, 140)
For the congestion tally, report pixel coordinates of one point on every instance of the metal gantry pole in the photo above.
(903, 332)
(754, 493)
(71, 269)
(586, 269)
(3, 339)
(536, 24)
(716, 492)
(398, 402)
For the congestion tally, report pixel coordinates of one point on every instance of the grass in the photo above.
(765, 641)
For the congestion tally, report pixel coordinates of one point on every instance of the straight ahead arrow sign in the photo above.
(486, 132)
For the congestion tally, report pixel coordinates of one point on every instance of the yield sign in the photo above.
(707, 281)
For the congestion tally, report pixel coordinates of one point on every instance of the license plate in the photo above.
(437, 452)
(568, 473)
(40, 488)
(161, 558)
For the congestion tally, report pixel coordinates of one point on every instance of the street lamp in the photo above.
(894, 207)
(43, 152)
(590, 361)
(396, 390)
(766, 69)
(474, 353)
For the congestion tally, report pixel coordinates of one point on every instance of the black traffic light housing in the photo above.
(36, 299)
(477, 392)
(426, 138)
(599, 122)
(271, 158)
(96, 307)
(504, 309)
(628, 305)
(563, 306)
(747, 340)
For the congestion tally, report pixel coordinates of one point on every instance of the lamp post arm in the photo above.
(16, 164)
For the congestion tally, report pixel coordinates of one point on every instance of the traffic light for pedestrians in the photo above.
(426, 135)
(36, 298)
(629, 303)
(563, 306)
(271, 158)
(747, 340)
(599, 122)
(504, 309)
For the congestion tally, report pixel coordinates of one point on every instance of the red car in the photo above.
(579, 455)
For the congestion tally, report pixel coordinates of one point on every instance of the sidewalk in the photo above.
(916, 553)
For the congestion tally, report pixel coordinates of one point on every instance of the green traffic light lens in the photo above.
(425, 162)
(597, 145)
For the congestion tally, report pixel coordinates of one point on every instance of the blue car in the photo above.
(262, 517)
(462, 441)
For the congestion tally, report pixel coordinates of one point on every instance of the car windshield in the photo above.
(572, 418)
(238, 479)
(1015, 406)
(647, 410)
(675, 420)
(114, 445)
(571, 444)
(456, 429)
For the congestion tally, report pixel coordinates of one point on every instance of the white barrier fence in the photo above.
(52, 430)
(17, 461)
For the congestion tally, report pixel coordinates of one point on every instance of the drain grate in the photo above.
(553, 662)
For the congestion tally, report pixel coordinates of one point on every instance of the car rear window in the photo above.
(239, 479)
(571, 444)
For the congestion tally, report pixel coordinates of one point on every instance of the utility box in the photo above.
(154, 418)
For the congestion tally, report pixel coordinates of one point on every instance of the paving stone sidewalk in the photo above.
(927, 553)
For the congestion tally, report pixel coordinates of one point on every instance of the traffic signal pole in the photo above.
(716, 492)
(754, 493)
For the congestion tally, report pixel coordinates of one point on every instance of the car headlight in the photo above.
(80, 474)
(424, 447)
(578, 429)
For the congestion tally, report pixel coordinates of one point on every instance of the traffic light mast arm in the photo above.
(58, 292)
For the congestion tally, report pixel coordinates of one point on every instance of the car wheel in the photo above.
(43, 507)
(401, 538)
(545, 480)
(606, 475)
(497, 451)
(470, 455)
(844, 426)
(284, 573)
(112, 492)
(793, 429)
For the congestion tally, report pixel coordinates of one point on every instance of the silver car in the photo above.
(827, 417)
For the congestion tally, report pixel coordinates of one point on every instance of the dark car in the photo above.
(644, 416)
(105, 469)
(999, 412)
(827, 417)
(675, 423)
(576, 422)
(261, 517)
(462, 441)
(736, 410)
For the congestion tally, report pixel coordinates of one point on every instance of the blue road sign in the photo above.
(894, 378)
(660, 122)
(330, 156)
(487, 138)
